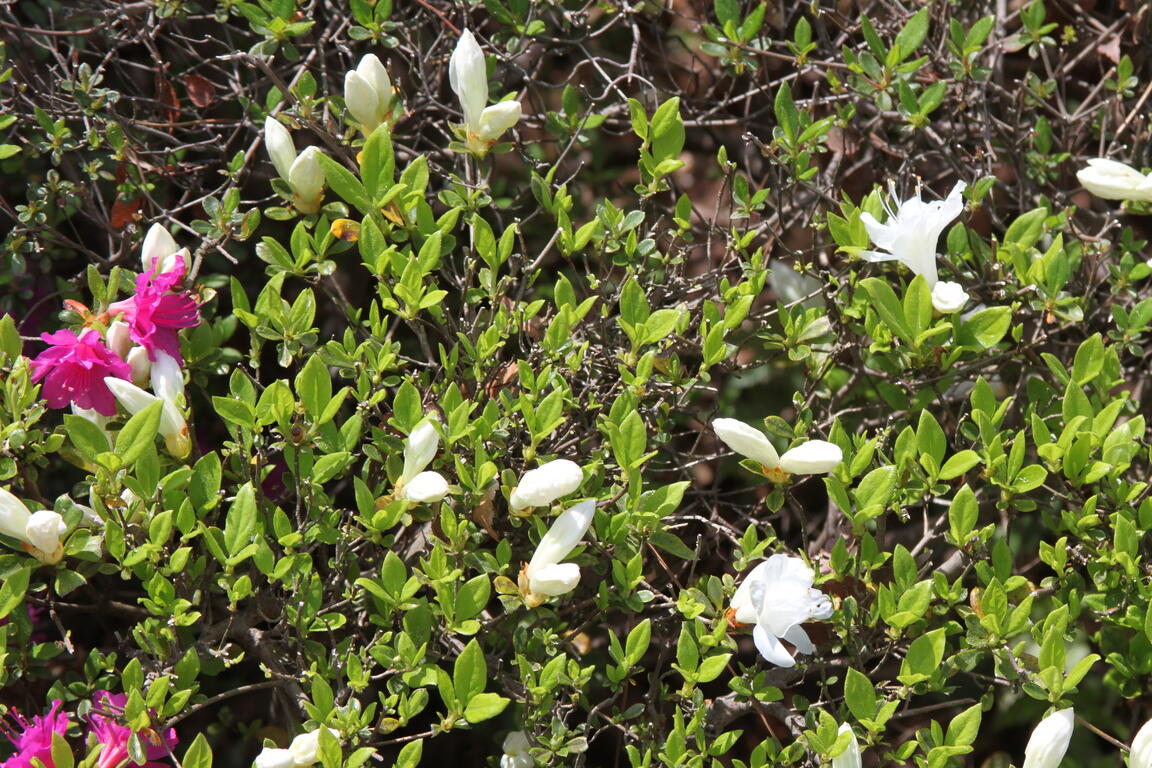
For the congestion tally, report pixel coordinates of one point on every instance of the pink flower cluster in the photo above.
(32, 739)
(74, 367)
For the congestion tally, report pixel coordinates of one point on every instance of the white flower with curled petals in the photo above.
(368, 93)
(777, 597)
(1140, 755)
(811, 458)
(173, 428)
(468, 76)
(543, 485)
(1049, 740)
(1115, 181)
(516, 754)
(302, 172)
(949, 297)
(850, 757)
(546, 576)
(414, 483)
(910, 233)
(39, 532)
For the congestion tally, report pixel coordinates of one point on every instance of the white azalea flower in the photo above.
(1115, 181)
(270, 757)
(468, 76)
(1140, 756)
(543, 485)
(40, 531)
(1049, 740)
(811, 458)
(368, 93)
(304, 747)
(173, 428)
(414, 483)
(911, 231)
(949, 297)
(302, 172)
(167, 378)
(777, 596)
(516, 753)
(850, 757)
(546, 575)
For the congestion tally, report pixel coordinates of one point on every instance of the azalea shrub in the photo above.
(578, 384)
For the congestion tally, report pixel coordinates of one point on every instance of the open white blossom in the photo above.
(468, 76)
(543, 485)
(302, 172)
(948, 297)
(414, 483)
(516, 753)
(811, 458)
(910, 233)
(777, 596)
(368, 93)
(850, 757)
(1140, 755)
(39, 532)
(1049, 740)
(173, 428)
(546, 575)
(1115, 181)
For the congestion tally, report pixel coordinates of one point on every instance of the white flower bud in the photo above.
(812, 458)
(419, 449)
(274, 758)
(1115, 181)
(140, 365)
(167, 378)
(747, 441)
(44, 530)
(158, 250)
(546, 574)
(306, 177)
(425, 488)
(468, 76)
(305, 746)
(948, 297)
(543, 485)
(119, 338)
(498, 118)
(14, 516)
(1049, 740)
(281, 150)
(1140, 756)
(850, 757)
(516, 753)
(368, 93)
(173, 428)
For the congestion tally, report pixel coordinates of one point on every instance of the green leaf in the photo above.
(912, 35)
(139, 433)
(985, 329)
(859, 695)
(377, 162)
(959, 464)
(884, 301)
(88, 438)
(484, 706)
(240, 522)
(962, 514)
(314, 386)
(666, 131)
(637, 644)
(345, 184)
(963, 729)
(470, 672)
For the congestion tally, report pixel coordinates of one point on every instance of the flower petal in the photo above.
(771, 648)
(746, 441)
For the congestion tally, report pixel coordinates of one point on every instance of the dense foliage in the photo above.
(586, 235)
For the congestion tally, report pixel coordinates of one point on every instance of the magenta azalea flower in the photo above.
(154, 315)
(113, 736)
(74, 369)
(33, 740)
